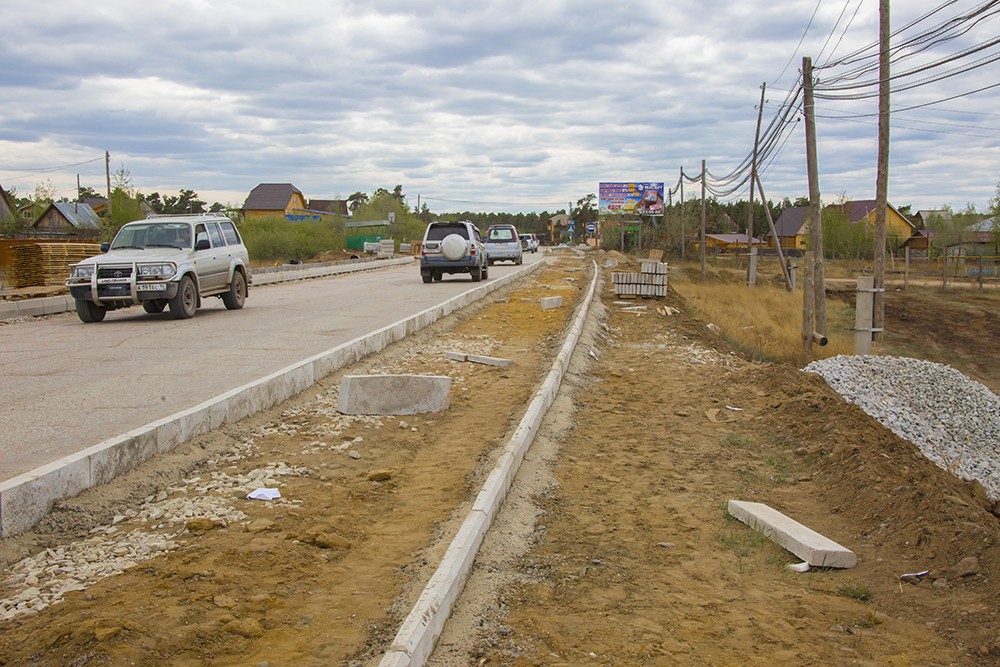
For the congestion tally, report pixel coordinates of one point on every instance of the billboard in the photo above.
(634, 198)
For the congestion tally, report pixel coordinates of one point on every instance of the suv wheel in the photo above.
(477, 273)
(89, 311)
(237, 294)
(185, 303)
(426, 277)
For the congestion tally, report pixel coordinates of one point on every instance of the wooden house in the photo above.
(791, 228)
(920, 242)
(978, 239)
(274, 199)
(792, 232)
(731, 242)
(7, 207)
(68, 219)
(898, 229)
(926, 217)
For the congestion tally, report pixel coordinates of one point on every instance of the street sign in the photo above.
(590, 228)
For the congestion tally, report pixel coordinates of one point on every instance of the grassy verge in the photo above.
(764, 322)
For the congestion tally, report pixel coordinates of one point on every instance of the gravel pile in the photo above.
(954, 420)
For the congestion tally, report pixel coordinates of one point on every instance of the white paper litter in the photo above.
(798, 567)
(736, 409)
(263, 494)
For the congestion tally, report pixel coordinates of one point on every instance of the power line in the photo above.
(42, 170)
(801, 39)
(485, 203)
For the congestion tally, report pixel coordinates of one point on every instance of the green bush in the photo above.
(277, 238)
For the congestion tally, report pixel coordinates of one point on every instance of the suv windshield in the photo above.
(153, 235)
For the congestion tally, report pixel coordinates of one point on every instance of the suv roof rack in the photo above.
(210, 214)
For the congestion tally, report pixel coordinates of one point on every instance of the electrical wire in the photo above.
(43, 170)
(801, 39)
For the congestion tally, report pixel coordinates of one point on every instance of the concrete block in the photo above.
(54, 304)
(8, 310)
(30, 308)
(423, 625)
(27, 498)
(489, 361)
(456, 356)
(804, 542)
(393, 394)
(119, 455)
(550, 302)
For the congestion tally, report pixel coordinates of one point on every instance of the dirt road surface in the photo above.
(614, 548)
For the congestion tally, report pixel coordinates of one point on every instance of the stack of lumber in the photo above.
(46, 264)
(650, 280)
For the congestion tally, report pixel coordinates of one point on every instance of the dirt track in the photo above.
(616, 550)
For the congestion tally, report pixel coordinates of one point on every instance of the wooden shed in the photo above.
(68, 219)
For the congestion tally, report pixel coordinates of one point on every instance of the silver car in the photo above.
(502, 243)
(452, 247)
(164, 261)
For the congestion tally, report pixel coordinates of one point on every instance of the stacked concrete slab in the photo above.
(650, 280)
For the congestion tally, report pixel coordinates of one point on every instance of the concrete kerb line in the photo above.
(27, 498)
(420, 630)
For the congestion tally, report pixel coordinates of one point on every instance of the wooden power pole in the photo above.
(683, 240)
(882, 175)
(753, 178)
(704, 263)
(815, 211)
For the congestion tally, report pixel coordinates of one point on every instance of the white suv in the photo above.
(529, 242)
(164, 261)
(452, 247)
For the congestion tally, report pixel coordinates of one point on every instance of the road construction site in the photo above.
(613, 547)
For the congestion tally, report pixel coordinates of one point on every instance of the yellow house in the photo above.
(792, 232)
(273, 199)
(791, 228)
(897, 228)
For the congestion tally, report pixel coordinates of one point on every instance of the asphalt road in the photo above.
(66, 386)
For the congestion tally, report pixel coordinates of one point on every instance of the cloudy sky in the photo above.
(519, 106)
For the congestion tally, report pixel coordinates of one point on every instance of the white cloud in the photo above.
(514, 102)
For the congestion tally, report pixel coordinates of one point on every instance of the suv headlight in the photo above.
(158, 271)
(81, 273)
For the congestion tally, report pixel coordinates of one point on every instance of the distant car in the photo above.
(452, 247)
(503, 244)
(164, 261)
(529, 243)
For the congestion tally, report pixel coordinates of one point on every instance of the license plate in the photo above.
(151, 287)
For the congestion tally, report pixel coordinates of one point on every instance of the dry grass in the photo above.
(764, 322)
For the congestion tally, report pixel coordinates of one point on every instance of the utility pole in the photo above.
(704, 265)
(882, 175)
(814, 267)
(774, 235)
(107, 176)
(753, 178)
(682, 214)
